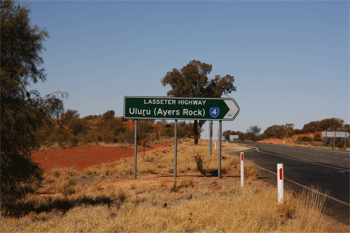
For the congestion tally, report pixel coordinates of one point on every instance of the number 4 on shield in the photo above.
(214, 112)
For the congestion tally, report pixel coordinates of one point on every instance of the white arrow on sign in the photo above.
(234, 109)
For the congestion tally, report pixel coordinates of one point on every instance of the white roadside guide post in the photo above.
(242, 169)
(280, 182)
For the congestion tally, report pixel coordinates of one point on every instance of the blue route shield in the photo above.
(214, 112)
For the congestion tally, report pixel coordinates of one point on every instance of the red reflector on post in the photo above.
(242, 156)
(280, 173)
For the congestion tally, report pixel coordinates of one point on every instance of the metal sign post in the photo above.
(135, 151)
(210, 136)
(220, 130)
(335, 135)
(175, 158)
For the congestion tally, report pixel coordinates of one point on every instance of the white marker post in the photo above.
(242, 169)
(280, 182)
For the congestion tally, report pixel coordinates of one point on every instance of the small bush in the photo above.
(203, 171)
(175, 188)
(304, 139)
(181, 132)
(317, 138)
(199, 162)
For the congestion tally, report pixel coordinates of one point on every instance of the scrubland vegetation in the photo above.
(309, 135)
(69, 130)
(92, 200)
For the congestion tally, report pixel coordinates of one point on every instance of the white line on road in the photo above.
(301, 160)
(333, 198)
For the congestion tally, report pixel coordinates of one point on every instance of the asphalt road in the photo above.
(326, 169)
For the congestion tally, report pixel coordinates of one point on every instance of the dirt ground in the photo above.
(276, 141)
(87, 156)
(94, 155)
(287, 142)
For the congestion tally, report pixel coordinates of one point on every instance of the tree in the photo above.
(22, 111)
(227, 134)
(69, 115)
(192, 81)
(108, 115)
(331, 124)
(254, 131)
(311, 127)
(275, 131)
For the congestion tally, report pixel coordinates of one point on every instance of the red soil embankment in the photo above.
(86, 156)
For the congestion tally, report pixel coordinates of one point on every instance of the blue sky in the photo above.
(290, 60)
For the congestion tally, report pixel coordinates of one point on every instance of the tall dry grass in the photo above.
(232, 209)
(162, 162)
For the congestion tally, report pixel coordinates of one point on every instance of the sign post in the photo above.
(210, 136)
(219, 159)
(344, 135)
(175, 158)
(135, 151)
(186, 108)
(242, 168)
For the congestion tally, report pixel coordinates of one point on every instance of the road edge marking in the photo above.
(333, 198)
(300, 160)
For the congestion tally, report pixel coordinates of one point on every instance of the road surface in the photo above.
(311, 167)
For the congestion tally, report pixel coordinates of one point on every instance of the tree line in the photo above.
(287, 131)
(68, 130)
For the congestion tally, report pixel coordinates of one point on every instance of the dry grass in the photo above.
(232, 209)
(179, 207)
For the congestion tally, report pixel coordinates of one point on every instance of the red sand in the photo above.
(86, 156)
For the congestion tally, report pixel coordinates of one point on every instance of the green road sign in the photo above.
(223, 109)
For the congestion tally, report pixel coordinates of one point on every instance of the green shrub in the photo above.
(79, 126)
(203, 171)
(200, 164)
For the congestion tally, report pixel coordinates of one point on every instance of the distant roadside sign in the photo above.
(137, 107)
(233, 137)
(334, 134)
